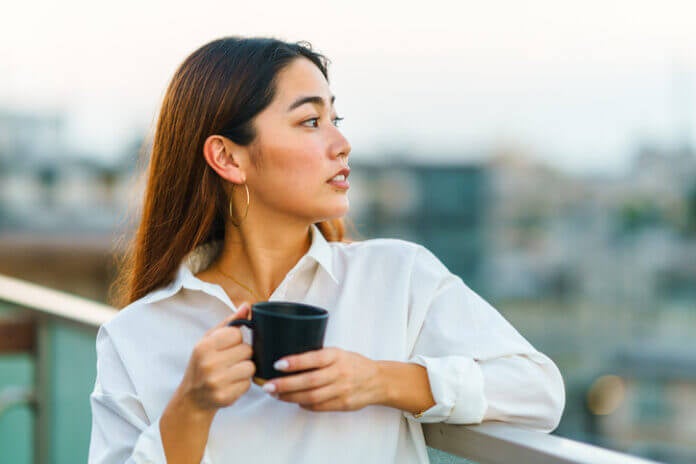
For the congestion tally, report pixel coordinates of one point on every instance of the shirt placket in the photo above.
(281, 293)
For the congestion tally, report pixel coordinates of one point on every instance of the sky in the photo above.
(576, 84)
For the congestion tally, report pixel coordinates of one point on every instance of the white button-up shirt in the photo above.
(388, 299)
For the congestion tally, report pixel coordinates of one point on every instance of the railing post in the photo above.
(42, 379)
(22, 334)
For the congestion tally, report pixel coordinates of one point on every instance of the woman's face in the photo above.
(300, 149)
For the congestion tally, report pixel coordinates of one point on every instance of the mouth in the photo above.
(341, 175)
(339, 181)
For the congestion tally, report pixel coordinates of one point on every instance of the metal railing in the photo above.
(487, 443)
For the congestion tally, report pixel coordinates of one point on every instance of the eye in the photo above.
(315, 122)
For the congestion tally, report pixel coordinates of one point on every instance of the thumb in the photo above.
(243, 312)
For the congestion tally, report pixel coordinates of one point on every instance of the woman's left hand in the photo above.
(340, 381)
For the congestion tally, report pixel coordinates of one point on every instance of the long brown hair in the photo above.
(218, 89)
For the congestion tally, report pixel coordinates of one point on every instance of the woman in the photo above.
(244, 203)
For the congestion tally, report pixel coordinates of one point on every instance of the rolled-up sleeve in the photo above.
(479, 367)
(121, 430)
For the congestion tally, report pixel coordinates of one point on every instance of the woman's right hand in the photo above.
(219, 370)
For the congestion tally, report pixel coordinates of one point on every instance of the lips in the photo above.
(344, 171)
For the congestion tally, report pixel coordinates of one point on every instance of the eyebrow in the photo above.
(313, 99)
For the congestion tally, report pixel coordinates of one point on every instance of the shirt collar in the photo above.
(203, 255)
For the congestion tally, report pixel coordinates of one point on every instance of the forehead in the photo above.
(300, 78)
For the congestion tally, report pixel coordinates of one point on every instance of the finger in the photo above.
(242, 370)
(236, 354)
(307, 360)
(225, 337)
(242, 313)
(314, 396)
(305, 381)
(233, 391)
(221, 376)
(216, 363)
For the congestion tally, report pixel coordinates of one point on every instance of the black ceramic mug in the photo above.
(281, 328)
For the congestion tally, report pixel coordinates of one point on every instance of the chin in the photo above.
(334, 214)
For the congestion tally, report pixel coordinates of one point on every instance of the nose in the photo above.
(341, 148)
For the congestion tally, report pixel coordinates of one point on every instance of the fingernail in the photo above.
(281, 364)
(268, 387)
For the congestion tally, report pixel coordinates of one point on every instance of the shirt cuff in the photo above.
(456, 383)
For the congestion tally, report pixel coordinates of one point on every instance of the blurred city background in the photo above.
(545, 153)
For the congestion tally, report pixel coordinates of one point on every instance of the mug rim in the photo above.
(260, 308)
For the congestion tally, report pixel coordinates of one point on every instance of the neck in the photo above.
(260, 256)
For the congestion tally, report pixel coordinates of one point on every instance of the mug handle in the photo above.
(245, 322)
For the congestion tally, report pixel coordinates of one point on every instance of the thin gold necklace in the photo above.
(217, 268)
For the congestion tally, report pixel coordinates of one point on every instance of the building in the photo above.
(441, 206)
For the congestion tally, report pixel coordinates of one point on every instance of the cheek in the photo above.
(300, 180)
(292, 165)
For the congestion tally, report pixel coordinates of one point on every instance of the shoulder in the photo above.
(378, 249)
(138, 319)
(388, 247)
(391, 255)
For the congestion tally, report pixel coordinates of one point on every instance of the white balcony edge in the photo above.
(500, 443)
(53, 303)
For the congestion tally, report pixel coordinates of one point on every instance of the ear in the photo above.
(225, 157)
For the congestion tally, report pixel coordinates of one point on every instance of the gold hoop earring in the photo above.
(245, 212)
